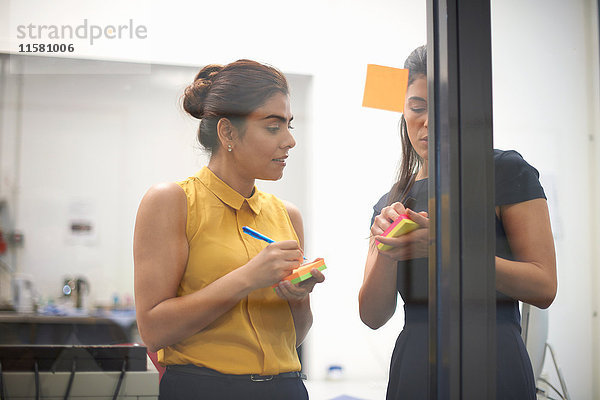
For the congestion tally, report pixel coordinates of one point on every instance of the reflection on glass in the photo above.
(525, 260)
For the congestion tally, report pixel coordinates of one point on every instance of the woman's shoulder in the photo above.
(508, 158)
(516, 179)
(162, 203)
(166, 193)
(291, 208)
(295, 216)
(196, 188)
(509, 164)
(169, 197)
(189, 182)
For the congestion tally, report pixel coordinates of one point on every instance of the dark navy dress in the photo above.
(516, 181)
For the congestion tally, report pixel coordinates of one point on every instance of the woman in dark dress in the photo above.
(525, 258)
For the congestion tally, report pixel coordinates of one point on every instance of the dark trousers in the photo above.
(179, 385)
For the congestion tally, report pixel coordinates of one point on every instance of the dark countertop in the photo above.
(105, 328)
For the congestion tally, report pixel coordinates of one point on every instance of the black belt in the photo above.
(193, 369)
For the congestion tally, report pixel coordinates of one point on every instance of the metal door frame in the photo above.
(462, 308)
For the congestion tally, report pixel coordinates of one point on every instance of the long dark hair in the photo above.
(411, 162)
(232, 91)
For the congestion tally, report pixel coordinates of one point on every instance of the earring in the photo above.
(229, 147)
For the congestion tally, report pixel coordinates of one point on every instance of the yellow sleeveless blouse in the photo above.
(257, 335)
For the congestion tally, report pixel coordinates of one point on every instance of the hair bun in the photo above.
(209, 72)
(194, 94)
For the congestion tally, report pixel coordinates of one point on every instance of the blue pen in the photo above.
(257, 235)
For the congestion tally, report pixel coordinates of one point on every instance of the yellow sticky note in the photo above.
(401, 226)
(385, 88)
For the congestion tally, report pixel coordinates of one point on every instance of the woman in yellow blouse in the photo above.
(203, 288)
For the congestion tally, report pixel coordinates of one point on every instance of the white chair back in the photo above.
(534, 331)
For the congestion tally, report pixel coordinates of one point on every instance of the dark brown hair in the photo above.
(416, 63)
(232, 91)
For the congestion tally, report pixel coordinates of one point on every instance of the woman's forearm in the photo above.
(303, 318)
(528, 282)
(377, 297)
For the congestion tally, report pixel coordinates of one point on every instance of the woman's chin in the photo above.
(271, 177)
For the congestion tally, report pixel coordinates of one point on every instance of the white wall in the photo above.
(542, 57)
(93, 142)
(594, 150)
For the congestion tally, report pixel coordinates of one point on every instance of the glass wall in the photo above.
(82, 139)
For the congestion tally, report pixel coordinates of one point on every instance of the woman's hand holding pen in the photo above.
(411, 245)
(274, 262)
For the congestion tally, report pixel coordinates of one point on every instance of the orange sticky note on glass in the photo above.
(385, 88)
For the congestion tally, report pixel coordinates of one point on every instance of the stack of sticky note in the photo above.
(303, 272)
(401, 226)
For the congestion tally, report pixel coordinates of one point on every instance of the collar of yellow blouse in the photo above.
(226, 194)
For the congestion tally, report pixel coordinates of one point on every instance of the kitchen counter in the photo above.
(106, 328)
